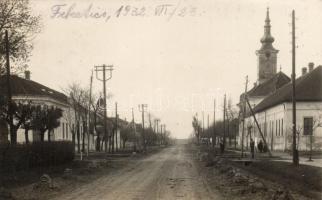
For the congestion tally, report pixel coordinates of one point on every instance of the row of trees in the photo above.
(29, 116)
(133, 133)
(220, 130)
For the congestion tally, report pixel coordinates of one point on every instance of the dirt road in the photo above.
(169, 174)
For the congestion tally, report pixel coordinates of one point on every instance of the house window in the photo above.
(279, 127)
(308, 126)
(276, 128)
(282, 128)
(272, 128)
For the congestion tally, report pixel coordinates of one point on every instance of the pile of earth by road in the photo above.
(234, 182)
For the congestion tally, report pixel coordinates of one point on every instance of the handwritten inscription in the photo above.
(72, 11)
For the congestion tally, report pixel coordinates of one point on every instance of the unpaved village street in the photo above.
(168, 174)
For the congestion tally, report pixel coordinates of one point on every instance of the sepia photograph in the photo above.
(160, 100)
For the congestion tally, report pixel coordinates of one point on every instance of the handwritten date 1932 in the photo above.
(159, 10)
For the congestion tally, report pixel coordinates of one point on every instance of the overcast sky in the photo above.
(177, 56)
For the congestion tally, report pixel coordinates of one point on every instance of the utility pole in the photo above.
(164, 133)
(150, 127)
(142, 109)
(224, 121)
(103, 69)
(162, 141)
(214, 124)
(203, 124)
(89, 112)
(156, 121)
(244, 116)
(134, 127)
(208, 135)
(295, 152)
(259, 128)
(13, 136)
(116, 126)
(228, 129)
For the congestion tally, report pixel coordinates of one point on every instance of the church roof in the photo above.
(268, 87)
(21, 86)
(308, 88)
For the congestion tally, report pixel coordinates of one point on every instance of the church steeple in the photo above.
(267, 39)
(267, 54)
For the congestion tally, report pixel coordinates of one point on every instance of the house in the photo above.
(270, 99)
(274, 114)
(25, 90)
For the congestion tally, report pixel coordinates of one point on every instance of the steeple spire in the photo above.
(267, 39)
(267, 54)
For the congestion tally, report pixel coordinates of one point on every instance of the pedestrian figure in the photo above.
(265, 148)
(252, 147)
(222, 147)
(260, 146)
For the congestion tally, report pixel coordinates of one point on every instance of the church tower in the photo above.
(267, 54)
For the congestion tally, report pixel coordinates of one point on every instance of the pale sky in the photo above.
(177, 64)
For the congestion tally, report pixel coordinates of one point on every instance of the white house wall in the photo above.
(276, 126)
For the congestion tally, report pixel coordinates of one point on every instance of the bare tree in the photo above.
(197, 127)
(79, 99)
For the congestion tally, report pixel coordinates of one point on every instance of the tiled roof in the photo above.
(308, 88)
(21, 86)
(269, 86)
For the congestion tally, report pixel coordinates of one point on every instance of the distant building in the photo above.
(270, 99)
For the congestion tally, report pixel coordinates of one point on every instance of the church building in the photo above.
(271, 101)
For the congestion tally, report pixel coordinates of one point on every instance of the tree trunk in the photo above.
(13, 135)
(49, 139)
(78, 137)
(124, 144)
(42, 136)
(26, 135)
(83, 139)
(98, 144)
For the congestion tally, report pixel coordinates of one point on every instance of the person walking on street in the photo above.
(252, 147)
(260, 146)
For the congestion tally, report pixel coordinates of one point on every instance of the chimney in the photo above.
(304, 71)
(311, 66)
(27, 75)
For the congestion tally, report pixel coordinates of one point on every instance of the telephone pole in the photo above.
(164, 134)
(224, 122)
(244, 116)
(116, 127)
(203, 124)
(134, 127)
(295, 152)
(214, 124)
(13, 136)
(89, 112)
(142, 108)
(162, 141)
(103, 68)
(156, 121)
